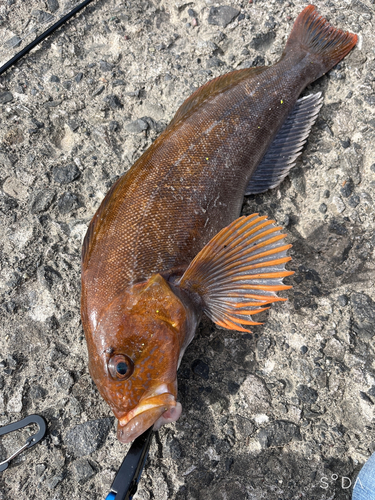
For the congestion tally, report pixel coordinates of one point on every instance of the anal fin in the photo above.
(239, 271)
(286, 146)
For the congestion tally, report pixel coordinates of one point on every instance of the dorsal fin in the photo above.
(91, 231)
(287, 145)
(211, 89)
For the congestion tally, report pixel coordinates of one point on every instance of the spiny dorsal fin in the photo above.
(211, 89)
(238, 272)
(287, 145)
(92, 229)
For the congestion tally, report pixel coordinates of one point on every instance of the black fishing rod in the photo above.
(43, 36)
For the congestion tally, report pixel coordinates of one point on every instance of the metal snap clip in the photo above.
(31, 441)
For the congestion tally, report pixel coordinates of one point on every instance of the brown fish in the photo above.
(164, 246)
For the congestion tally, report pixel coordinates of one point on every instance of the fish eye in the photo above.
(120, 367)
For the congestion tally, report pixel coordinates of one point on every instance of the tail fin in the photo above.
(313, 34)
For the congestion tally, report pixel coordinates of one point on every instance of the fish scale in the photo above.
(166, 244)
(147, 225)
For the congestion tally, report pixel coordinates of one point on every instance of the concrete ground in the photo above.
(284, 413)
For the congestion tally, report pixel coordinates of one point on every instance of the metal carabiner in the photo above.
(31, 441)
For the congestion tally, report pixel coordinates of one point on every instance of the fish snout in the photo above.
(152, 411)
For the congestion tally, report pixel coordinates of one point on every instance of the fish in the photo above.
(168, 244)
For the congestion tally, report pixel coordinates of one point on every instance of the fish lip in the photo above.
(143, 416)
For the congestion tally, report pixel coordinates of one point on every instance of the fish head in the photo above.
(135, 353)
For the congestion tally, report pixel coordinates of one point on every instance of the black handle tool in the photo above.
(127, 478)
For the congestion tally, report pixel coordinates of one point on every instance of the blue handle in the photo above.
(111, 496)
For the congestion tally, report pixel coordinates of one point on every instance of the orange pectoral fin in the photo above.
(239, 271)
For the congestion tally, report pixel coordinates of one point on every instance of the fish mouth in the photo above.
(152, 411)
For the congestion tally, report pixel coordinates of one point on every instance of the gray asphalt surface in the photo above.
(284, 413)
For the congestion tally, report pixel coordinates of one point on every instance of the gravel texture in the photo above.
(286, 412)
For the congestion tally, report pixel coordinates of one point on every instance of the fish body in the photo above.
(163, 247)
